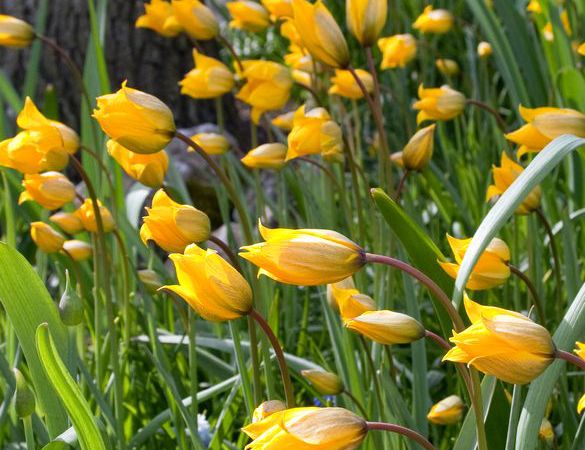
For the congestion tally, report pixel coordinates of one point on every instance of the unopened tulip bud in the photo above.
(335, 289)
(209, 79)
(196, 19)
(441, 103)
(159, 17)
(266, 156)
(267, 409)
(46, 239)
(345, 85)
(51, 190)
(248, 15)
(366, 18)
(438, 21)
(68, 222)
(86, 214)
(14, 32)
(419, 150)
(24, 398)
(78, 250)
(150, 279)
(546, 432)
(211, 143)
(386, 327)
(284, 121)
(447, 67)
(70, 305)
(325, 383)
(148, 169)
(448, 411)
(484, 49)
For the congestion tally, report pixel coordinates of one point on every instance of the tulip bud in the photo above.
(344, 84)
(447, 67)
(441, 103)
(484, 49)
(325, 383)
(211, 143)
(279, 9)
(266, 156)
(150, 169)
(419, 150)
(284, 121)
(46, 239)
(335, 290)
(301, 77)
(196, 19)
(209, 79)
(267, 409)
(68, 222)
(86, 214)
(51, 190)
(78, 250)
(159, 17)
(397, 50)
(366, 18)
(447, 412)
(248, 15)
(150, 279)
(24, 398)
(438, 21)
(546, 432)
(581, 49)
(581, 405)
(15, 33)
(70, 305)
(136, 120)
(386, 327)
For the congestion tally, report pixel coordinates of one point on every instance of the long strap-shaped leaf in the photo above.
(77, 407)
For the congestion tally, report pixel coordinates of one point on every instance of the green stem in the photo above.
(393, 428)
(530, 286)
(357, 403)
(219, 114)
(490, 110)
(477, 402)
(193, 379)
(28, 433)
(554, 252)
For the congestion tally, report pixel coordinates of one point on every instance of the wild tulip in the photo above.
(150, 279)
(78, 250)
(159, 17)
(434, 21)
(15, 33)
(325, 383)
(68, 222)
(211, 143)
(86, 214)
(441, 103)
(344, 84)
(266, 156)
(248, 15)
(149, 169)
(366, 18)
(278, 9)
(288, 30)
(300, 61)
(301, 77)
(484, 49)
(284, 121)
(397, 50)
(46, 238)
(336, 290)
(447, 412)
(196, 19)
(581, 49)
(267, 409)
(546, 432)
(350, 302)
(447, 67)
(386, 327)
(418, 151)
(51, 190)
(209, 79)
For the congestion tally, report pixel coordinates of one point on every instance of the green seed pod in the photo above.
(70, 305)
(24, 399)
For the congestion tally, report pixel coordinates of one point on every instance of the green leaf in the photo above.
(77, 407)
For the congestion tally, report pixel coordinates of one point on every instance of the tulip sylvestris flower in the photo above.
(336, 290)
(397, 50)
(441, 103)
(314, 132)
(78, 250)
(46, 239)
(581, 49)
(68, 222)
(51, 190)
(366, 18)
(350, 302)
(15, 33)
(504, 176)
(320, 34)
(305, 257)
(418, 151)
(484, 49)
(447, 67)
(196, 19)
(159, 17)
(386, 327)
(211, 286)
(437, 21)
(546, 432)
(325, 383)
(278, 9)
(211, 143)
(209, 79)
(308, 429)
(248, 15)
(344, 84)
(267, 409)
(502, 343)
(86, 214)
(149, 169)
(173, 226)
(284, 121)
(136, 120)
(266, 156)
(447, 412)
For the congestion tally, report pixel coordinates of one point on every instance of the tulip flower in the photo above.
(502, 343)
(447, 412)
(366, 18)
(418, 151)
(386, 327)
(546, 432)
(504, 176)
(581, 49)
(397, 50)
(335, 291)
(320, 34)
(436, 21)
(266, 156)
(211, 143)
(441, 103)
(325, 383)
(68, 222)
(196, 19)
(308, 429)
(78, 250)
(211, 287)
(15, 33)
(85, 213)
(51, 190)
(301, 77)
(46, 239)
(491, 269)
(248, 15)
(305, 257)
(298, 59)
(447, 67)
(267, 409)
(534, 6)
(209, 79)
(278, 9)
(148, 169)
(136, 120)
(289, 31)
(350, 302)
(344, 84)
(150, 279)
(284, 121)
(267, 87)
(159, 17)
(484, 49)
(173, 226)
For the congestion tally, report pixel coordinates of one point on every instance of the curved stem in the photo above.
(569, 357)
(321, 167)
(401, 185)
(310, 90)
(554, 252)
(530, 286)
(393, 428)
(286, 381)
(105, 169)
(227, 250)
(490, 110)
(363, 411)
(438, 340)
(232, 51)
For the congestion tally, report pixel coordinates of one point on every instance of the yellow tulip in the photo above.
(491, 269)
(211, 287)
(136, 120)
(298, 59)
(173, 226)
(447, 412)
(209, 79)
(308, 429)
(441, 103)
(397, 50)
(438, 21)
(320, 34)
(211, 143)
(447, 66)
(546, 432)
(534, 6)
(301, 77)
(248, 15)
(15, 33)
(344, 84)
(504, 176)
(148, 169)
(325, 383)
(266, 156)
(68, 222)
(335, 291)
(581, 49)
(366, 18)
(267, 87)
(289, 31)
(502, 343)
(306, 257)
(350, 302)
(51, 190)
(85, 213)
(267, 409)
(581, 405)
(284, 121)
(418, 151)
(484, 49)
(159, 17)
(46, 239)
(196, 19)
(279, 8)
(580, 350)
(78, 250)
(386, 327)
(150, 279)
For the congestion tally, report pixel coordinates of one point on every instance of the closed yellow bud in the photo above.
(581, 49)
(581, 405)
(546, 432)
(68, 222)
(211, 143)
(266, 156)
(278, 8)
(386, 327)
(47, 239)
(284, 121)
(248, 15)
(150, 279)
(173, 226)
(209, 79)
(159, 17)
(51, 190)
(301, 77)
(78, 250)
(267, 409)
(212, 287)
(504, 176)
(441, 103)
(502, 343)
(397, 50)
(325, 383)
(149, 169)
(136, 120)
(350, 302)
(534, 6)
(267, 87)
(196, 19)
(580, 351)
(308, 429)
(438, 21)
(85, 213)
(300, 61)
(447, 412)
(419, 150)
(447, 66)
(313, 132)
(484, 49)
(14, 32)
(335, 289)
(366, 18)
(306, 257)
(344, 84)
(320, 34)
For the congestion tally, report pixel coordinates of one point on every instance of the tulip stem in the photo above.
(310, 90)
(490, 110)
(375, 380)
(105, 170)
(321, 167)
(393, 428)
(232, 51)
(554, 252)
(28, 432)
(401, 185)
(286, 380)
(357, 403)
(530, 286)
(438, 340)
(430, 284)
(227, 250)
(569, 357)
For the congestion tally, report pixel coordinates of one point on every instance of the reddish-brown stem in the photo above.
(535, 298)
(393, 428)
(227, 250)
(232, 51)
(569, 357)
(490, 110)
(438, 340)
(401, 185)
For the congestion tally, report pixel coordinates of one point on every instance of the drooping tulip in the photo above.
(196, 19)
(437, 21)
(148, 169)
(46, 238)
(78, 250)
(397, 50)
(86, 214)
(441, 103)
(51, 190)
(447, 412)
(15, 33)
(386, 327)
(68, 222)
(209, 79)
(325, 383)
(345, 85)
(266, 156)
(366, 18)
(211, 143)
(159, 17)
(248, 15)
